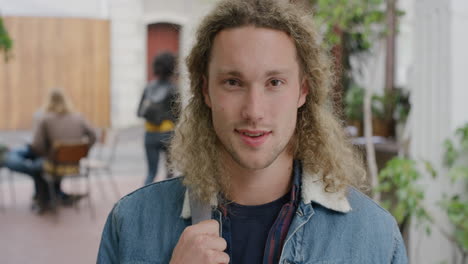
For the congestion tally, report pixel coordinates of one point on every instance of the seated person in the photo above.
(57, 123)
(23, 160)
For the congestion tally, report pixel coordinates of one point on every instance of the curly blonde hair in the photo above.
(319, 140)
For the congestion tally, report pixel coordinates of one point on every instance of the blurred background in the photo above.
(400, 65)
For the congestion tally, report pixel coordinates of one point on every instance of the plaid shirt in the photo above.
(280, 228)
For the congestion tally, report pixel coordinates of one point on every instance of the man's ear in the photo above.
(304, 91)
(206, 93)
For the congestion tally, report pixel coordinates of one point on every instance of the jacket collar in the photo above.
(312, 190)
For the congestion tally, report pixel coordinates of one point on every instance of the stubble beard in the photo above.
(227, 154)
(230, 152)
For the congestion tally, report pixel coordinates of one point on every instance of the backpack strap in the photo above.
(200, 211)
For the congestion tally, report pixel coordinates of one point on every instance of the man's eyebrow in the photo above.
(239, 74)
(229, 72)
(276, 72)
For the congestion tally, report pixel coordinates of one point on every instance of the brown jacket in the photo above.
(60, 127)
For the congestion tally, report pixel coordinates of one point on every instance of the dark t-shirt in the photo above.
(250, 226)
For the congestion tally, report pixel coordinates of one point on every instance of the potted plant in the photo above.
(354, 100)
(402, 105)
(382, 109)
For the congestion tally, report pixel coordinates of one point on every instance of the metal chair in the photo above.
(3, 150)
(103, 158)
(6, 173)
(65, 162)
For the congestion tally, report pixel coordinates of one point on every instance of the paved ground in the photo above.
(73, 235)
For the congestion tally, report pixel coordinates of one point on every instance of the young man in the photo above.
(259, 144)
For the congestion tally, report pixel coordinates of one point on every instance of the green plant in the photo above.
(357, 18)
(349, 29)
(383, 106)
(402, 105)
(457, 212)
(354, 100)
(6, 43)
(456, 206)
(455, 157)
(401, 194)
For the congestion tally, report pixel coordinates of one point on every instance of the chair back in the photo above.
(69, 153)
(65, 158)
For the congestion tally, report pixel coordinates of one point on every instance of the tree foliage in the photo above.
(6, 44)
(360, 20)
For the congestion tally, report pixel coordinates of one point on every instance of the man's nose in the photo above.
(253, 108)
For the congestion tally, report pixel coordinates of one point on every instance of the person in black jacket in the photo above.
(156, 108)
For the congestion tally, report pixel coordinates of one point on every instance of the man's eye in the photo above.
(232, 82)
(275, 82)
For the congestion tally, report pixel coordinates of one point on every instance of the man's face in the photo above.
(254, 90)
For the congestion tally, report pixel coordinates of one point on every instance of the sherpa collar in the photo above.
(312, 190)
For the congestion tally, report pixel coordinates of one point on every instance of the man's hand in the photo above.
(201, 243)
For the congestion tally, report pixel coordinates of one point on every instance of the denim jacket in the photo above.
(328, 228)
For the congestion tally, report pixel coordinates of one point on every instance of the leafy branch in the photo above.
(6, 44)
(358, 18)
(398, 182)
(456, 206)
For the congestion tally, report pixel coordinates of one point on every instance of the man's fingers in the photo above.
(211, 242)
(218, 257)
(201, 243)
(208, 227)
(219, 244)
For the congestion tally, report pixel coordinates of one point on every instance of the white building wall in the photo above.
(438, 95)
(128, 59)
(404, 44)
(459, 65)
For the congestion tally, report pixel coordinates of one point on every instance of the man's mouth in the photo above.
(254, 134)
(253, 138)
